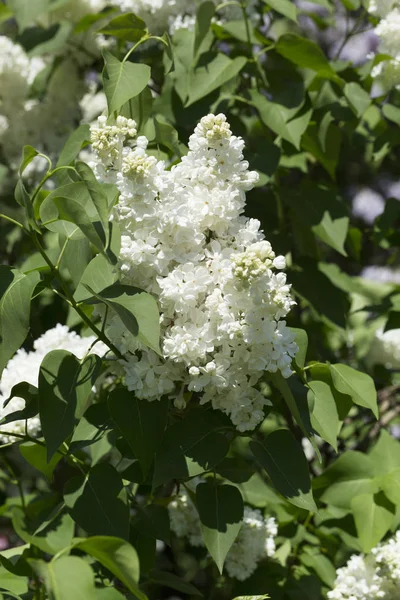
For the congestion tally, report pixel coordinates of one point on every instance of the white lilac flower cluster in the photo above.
(381, 274)
(171, 15)
(44, 123)
(255, 540)
(25, 366)
(218, 282)
(376, 575)
(75, 10)
(385, 349)
(388, 31)
(368, 204)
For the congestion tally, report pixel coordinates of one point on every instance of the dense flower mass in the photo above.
(385, 349)
(25, 366)
(388, 31)
(381, 274)
(255, 541)
(161, 15)
(44, 123)
(376, 575)
(220, 288)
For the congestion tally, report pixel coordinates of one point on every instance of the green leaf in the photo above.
(327, 153)
(153, 521)
(98, 275)
(128, 27)
(12, 583)
(359, 386)
(319, 208)
(357, 97)
(36, 456)
(302, 342)
(280, 119)
(77, 255)
(169, 580)
(390, 485)
(205, 13)
(28, 154)
(191, 446)
(167, 136)
(141, 423)
(392, 113)
(48, 526)
(26, 13)
(183, 47)
(235, 469)
(66, 578)
(238, 30)
(352, 474)
(29, 393)
(306, 54)
(97, 194)
(386, 459)
(210, 77)
(317, 289)
(73, 203)
(16, 291)
(122, 81)
(65, 385)
(284, 7)
(284, 461)
(351, 4)
(22, 197)
(53, 39)
(98, 502)
(92, 431)
(324, 416)
(116, 555)
(139, 108)
(137, 310)
(5, 13)
(373, 516)
(74, 144)
(385, 454)
(220, 510)
(86, 22)
(169, 61)
(282, 385)
(311, 557)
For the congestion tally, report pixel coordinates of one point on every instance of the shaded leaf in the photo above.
(98, 502)
(284, 461)
(16, 291)
(169, 580)
(141, 423)
(220, 510)
(191, 446)
(65, 385)
(128, 27)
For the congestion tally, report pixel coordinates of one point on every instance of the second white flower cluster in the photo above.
(218, 282)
